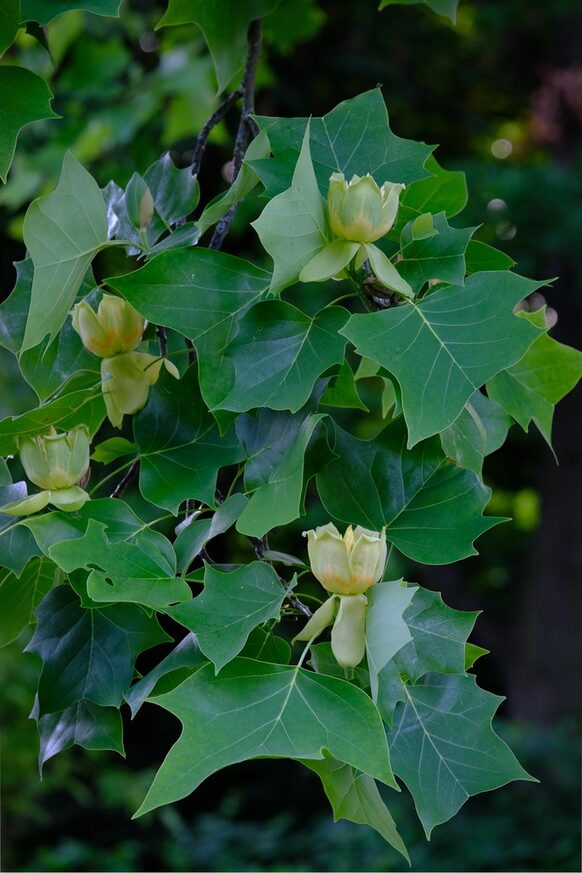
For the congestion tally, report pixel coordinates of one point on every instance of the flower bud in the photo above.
(55, 461)
(348, 635)
(126, 381)
(361, 210)
(348, 564)
(115, 328)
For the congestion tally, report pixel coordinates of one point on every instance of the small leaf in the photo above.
(480, 429)
(251, 710)
(293, 226)
(440, 256)
(83, 724)
(112, 449)
(355, 797)
(444, 348)
(96, 652)
(444, 748)
(175, 191)
(62, 231)
(330, 261)
(25, 98)
(229, 607)
(386, 630)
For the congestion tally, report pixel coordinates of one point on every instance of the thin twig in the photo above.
(162, 340)
(246, 125)
(214, 119)
(122, 486)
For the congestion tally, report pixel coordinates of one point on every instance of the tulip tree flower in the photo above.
(56, 462)
(346, 566)
(359, 213)
(113, 333)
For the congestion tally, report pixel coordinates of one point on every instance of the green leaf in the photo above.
(472, 654)
(343, 392)
(441, 256)
(19, 596)
(264, 645)
(355, 797)
(254, 709)
(63, 231)
(122, 572)
(354, 138)
(323, 660)
(443, 191)
(112, 449)
(97, 649)
(432, 509)
(44, 11)
(224, 24)
(74, 406)
(298, 350)
(229, 607)
(242, 186)
(276, 444)
(175, 191)
(529, 389)
(201, 293)
(181, 450)
(293, 226)
(193, 538)
(439, 635)
(447, 8)
(83, 724)
(185, 656)
(25, 98)
(480, 257)
(17, 545)
(444, 748)
(328, 263)
(9, 23)
(444, 348)
(386, 630)
(480, 429)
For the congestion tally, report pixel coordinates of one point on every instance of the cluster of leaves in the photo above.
(248, 438)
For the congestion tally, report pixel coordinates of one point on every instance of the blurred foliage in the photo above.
(498, 91)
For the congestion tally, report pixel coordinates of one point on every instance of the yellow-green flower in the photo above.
(360, 210)
(126, 381)
(347, 564)
(115, 328)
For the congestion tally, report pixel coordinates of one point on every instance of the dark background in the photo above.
(508, 77)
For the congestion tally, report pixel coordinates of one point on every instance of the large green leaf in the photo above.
(17, 545)
(432, 508)
(224, 24)
(44, 11)
(180, 447)
(441, 256)
(444, 348)
(529, 390)
(63, 231)
(293, 225)
(298, 350)
(354, 138)
(229, 607)
(96, 650)
(355, 797)
(24, 98)
(447, 8)
(122, 572)
(83, 724)
(276, 444)
(444, 748)
(253, 709)
(386, 630)
(480, 429)
(19, 596)
(9, 23)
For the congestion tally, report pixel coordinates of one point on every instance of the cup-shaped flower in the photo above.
(361, 210)
(115, 328)
(347, 564)
(126, 381)
(56, 460)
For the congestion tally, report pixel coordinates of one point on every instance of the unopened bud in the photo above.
(360, 210)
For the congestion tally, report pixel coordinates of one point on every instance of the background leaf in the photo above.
(20, 595)
(25, 98)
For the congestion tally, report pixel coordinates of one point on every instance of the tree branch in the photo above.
(124, 484)
(214, 119)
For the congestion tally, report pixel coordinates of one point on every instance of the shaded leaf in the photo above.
(442, 191)
(481, 257)
(186, 655)
(447, 8)
(175, 191)
(9, 23)
(441, 256)
(19, 596)
(193, 538)
(44, 11)
(17, 545)
(83, 724)
(480, 429)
